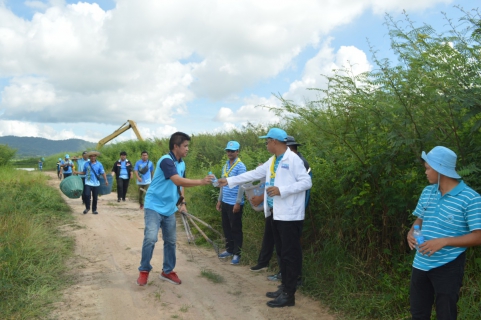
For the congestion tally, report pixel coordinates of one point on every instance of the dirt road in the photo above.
(104, 269)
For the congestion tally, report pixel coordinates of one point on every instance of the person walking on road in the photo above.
(144, 171)
(66, 165)
(230, 204)
(164, 197)
(59, 163)
(80, 165)
(123, 173)
(92, 170)
(287, 181)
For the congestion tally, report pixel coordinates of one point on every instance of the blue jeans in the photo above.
(154, 222)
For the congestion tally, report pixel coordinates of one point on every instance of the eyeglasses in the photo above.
(231, 151)
(268, 140)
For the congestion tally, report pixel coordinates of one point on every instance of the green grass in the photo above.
(33, 251)
(212, 276)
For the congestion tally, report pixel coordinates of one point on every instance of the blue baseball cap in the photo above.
(232, 145)
(276, 133)
(59, 159)
(67, 156)
(442, 160)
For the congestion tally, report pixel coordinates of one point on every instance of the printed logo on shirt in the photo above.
(285, 166)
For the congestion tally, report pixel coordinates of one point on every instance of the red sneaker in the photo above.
(171, 277)
(143, 277)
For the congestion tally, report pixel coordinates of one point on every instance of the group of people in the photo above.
(288, 180)
(448, 213)
(90, 170)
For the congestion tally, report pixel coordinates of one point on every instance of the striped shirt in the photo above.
(229, 196)
(456, 213)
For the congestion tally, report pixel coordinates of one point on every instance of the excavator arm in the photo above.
(126, 126)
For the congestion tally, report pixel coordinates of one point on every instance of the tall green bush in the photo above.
(369, 130)
(6, 154)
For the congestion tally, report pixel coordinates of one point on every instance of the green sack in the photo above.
(72, 187)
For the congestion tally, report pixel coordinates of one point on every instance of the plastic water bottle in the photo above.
(259, 190)
(418, 235)
(215, 183)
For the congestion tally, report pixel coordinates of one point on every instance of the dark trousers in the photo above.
(267, 248)
(83, 193)
(93, 192)
(66, 175)
(232, 226)
(142, 193)
(439, 285)
(122, 187)
(287, 237)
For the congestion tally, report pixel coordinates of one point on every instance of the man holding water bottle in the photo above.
(449, 215)
(230, 204)
(288, 181)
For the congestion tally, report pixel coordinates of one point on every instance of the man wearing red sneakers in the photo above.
(164, 197)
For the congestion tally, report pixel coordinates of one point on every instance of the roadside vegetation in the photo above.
(33, 250)
(363, 138)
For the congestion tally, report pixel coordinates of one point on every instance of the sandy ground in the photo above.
(104, 271)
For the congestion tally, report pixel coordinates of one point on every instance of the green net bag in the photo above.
(72, 187)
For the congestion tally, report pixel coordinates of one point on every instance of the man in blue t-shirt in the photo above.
(66, 166)
(231, 203)
(162, 200)
(449, 213)
(59, 162)
(92, 171)
(123, 173)
(80, 165)
(144, 171)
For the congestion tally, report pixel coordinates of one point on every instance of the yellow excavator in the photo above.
(126, 126)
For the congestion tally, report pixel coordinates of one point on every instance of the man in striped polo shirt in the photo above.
(449, 213)
(231, 203)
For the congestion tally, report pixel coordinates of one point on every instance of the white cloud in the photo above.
(255, 110)
(325, 63)
(80, 64)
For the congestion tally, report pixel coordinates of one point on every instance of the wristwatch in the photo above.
(183, 202)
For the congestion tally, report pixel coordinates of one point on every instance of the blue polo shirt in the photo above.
(229, 195)
(146, 177)
(89, 169)
(162, 194)
(456, 213)
(69, 170)
(81, 165)
(123, 174)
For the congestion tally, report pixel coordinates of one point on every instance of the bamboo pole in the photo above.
(204, 223)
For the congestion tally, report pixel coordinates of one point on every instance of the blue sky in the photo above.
(71, 69)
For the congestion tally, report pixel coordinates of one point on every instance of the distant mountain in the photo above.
(41, 147)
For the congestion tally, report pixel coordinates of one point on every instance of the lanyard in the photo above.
(226, 173)
(273, 173)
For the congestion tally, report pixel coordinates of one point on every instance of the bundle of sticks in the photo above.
(187, 217)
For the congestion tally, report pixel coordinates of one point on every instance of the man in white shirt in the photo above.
(286, 183)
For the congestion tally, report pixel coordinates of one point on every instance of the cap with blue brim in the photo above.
(277, 134)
